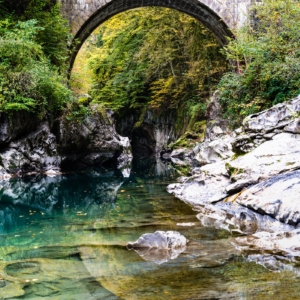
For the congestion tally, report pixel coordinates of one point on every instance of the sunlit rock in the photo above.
(270, 158)
(206, 186)
(293, 127)
(159, 246)
(211, 152)
(277, 197)
(277, 116)
(199, 190)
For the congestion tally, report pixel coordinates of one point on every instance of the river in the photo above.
(65, 237)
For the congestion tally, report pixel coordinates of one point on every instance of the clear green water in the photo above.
(65, 237)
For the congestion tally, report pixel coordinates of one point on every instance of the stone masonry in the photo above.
(217, 15)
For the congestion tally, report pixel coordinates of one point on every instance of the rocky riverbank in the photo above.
(248, 182)
(43, 147)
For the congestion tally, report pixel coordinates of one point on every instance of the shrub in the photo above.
(265, 56)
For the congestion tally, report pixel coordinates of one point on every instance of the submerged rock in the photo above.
(159, 246)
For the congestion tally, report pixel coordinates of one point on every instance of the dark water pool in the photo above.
(65, 238)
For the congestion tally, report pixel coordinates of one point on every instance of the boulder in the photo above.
(293, 127)
(211, 152)
(182, 153)
(159, 246)
(277, 117)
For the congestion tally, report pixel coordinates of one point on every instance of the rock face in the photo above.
(33, 153)
(150, 133)
(230, 164)
(94, 141)
(15, 126)
(248, 182)
(216, 126)
(159, 246)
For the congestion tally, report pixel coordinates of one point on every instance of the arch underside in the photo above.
(193, 8)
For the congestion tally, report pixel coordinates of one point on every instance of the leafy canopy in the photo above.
(151, 56)
(265, 55)
(30, 66)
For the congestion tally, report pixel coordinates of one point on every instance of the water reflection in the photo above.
(25, 200)
(65, 238)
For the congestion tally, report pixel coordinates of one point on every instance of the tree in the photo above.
(267, 56)
(153, 57)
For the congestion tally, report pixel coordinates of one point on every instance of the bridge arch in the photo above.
(86, 15)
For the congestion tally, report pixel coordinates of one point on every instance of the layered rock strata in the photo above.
(250, 179)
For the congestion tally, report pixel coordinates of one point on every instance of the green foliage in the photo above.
(53, 35)
(266, 60)
(33, 55)
(28, 81)
(153, 57)
(76, 111)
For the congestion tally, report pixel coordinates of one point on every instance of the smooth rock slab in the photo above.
(198, 191)
(270, 158)
(237, 219)
(278, 197)
(285, 242)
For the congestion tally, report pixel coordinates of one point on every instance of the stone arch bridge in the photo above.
(218, 15)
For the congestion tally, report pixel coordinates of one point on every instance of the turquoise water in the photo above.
(65, 238)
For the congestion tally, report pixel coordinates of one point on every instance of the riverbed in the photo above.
(64, 237)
